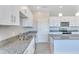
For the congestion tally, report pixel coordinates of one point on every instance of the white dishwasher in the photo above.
(66, 46)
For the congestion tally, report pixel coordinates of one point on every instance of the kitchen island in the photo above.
(64, 43)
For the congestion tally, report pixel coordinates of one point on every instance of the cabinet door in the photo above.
(14, 15)
(9, 15)
(4, 15)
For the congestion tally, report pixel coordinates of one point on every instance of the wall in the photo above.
(55, 21)
(42, 26)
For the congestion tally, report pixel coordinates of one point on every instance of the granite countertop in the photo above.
(61, 36)
(15, 46)
(59, 32)
(64, 36)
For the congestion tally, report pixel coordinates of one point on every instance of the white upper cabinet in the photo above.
(26, 17)
(55, 21)
(9, 15)
(16, 15)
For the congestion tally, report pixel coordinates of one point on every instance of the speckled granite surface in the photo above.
(16, 47)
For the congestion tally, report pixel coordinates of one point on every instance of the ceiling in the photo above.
(54, 10)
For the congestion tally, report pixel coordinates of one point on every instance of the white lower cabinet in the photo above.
(31, 48)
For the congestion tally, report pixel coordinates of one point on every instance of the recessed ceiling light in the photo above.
(60, 14)
(77, 14)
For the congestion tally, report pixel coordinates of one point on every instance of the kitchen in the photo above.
(39, 29)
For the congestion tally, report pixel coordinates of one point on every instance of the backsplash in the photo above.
(54, 28)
